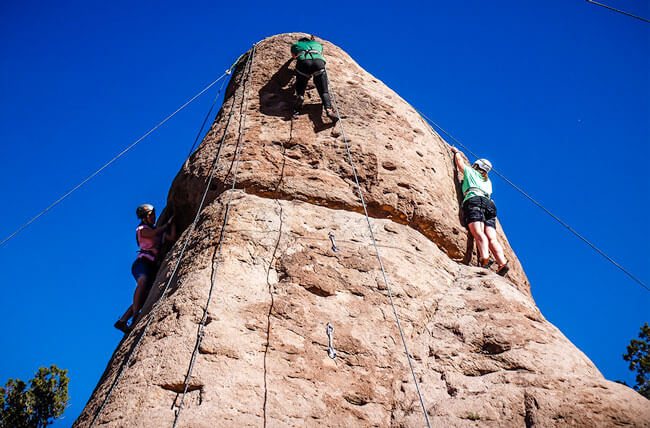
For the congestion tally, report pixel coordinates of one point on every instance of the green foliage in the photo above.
(15, 405)
(38, 406)
(638, 355)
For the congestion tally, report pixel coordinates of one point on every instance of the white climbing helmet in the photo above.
(483, 164)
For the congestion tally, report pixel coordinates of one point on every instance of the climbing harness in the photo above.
(381, 264)
(315, 73)
(530, 198)
(147, 252)
(331, 352)
(242, 129)
(331, 235)
(480, 192)
(311, 52)
(190, 231)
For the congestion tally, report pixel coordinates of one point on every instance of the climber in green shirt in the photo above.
(308, 54)
(480, 211)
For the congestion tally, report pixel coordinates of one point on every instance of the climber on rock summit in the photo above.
(149, 238)
(308, 54)
(480, 211)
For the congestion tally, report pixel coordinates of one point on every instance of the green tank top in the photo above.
(302, 48)
(474, 179)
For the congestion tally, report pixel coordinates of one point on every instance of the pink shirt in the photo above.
(150, 245)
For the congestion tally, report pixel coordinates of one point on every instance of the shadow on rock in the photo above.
(315, 114)
(277, 98)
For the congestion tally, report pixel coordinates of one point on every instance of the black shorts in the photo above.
(480, 208)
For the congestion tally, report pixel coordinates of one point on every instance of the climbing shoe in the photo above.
(121, 325)
(503, 270)
(331, 113)
(297, 106)
(486, 263)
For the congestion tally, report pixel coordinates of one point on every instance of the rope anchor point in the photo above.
(336, 250)
(331, 352)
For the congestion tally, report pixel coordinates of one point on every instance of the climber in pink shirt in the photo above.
(149, 237)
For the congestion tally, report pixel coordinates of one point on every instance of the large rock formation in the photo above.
(483, 353)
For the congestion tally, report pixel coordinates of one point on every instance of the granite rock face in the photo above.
(483, 353)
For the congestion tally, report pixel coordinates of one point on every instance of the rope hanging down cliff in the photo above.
(178, 262)
(381, 264)
(242, 130)
(207, 116)
(119, 155)
(205, 120)
(598, 250)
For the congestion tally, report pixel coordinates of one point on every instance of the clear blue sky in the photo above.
(555, 93)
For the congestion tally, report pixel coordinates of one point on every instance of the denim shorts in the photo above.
(143, 266)
(480, 208)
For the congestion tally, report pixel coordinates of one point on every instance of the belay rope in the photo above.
(214, 102)
(242, 129)
(207, 116)
(330, 329)
(530, 198)
(190, 231)
(119, 155)
(381, 264)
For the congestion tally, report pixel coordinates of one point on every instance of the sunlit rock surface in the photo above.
(483, 353)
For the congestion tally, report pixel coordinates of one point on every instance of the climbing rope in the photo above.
(242, 130)
(381, 264)
(173, 274)
(214, 102)
(530, 198)
(207, 116)
(617, 10)
(268, 281)
(119, 155)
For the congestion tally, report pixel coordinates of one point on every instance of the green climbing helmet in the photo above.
(144, 210)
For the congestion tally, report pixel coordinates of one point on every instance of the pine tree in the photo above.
(38, 406)
(638, 355)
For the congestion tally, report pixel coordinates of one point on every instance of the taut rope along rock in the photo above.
(171, 277)
(242, 129)
(478, 343)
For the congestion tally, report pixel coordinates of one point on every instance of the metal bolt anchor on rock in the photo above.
(331, 352)
(331, 235)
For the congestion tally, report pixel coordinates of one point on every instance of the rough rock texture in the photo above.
(483, 353)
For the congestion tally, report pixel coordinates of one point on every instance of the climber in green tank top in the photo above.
(474, 184)
(479, 210)
(307, 49)
(308, 54)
